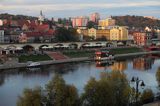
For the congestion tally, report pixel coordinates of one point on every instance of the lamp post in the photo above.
(138, 82)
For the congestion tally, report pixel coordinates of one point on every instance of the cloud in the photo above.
(50, 6)
(59, 7)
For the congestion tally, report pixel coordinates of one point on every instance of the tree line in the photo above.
(112, 89)
(136, 21)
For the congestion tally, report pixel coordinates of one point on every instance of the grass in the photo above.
(76, 54)
(89, 53)
(35, 58)
(125, 50)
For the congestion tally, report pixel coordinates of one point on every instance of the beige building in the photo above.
(119, 33)
(107, 22)
(95, 33)
(92, 33)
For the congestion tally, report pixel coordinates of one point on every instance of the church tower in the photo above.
(41, 17)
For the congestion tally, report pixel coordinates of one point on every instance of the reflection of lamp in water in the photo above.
(138, 82)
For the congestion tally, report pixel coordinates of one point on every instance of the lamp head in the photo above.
(133, 79)
(142, 85)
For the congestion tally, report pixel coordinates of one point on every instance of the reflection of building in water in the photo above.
(119, 66)
(143, 63)
(104, 64)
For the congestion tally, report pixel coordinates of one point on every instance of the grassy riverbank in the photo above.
(35, 58)
(90, 53)
(125, 50)
(77, 54)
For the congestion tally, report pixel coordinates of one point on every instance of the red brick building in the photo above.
(142, 38)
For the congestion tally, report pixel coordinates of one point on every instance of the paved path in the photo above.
(57, 55)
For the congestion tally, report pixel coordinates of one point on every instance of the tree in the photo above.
(62, 34)
(91, 24)
(31, 97)
(111, 90)
(147, 96)
(61, 94)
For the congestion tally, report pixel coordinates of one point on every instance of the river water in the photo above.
(12, 82)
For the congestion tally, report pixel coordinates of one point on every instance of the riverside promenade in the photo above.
(70, 60)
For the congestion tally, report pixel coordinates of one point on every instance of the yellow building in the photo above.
(103, 33)
(92, 33)
(84, 32)
(95, 33)
(119, 66)
(119, 33)
(107, 22)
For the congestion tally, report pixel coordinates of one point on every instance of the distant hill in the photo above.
(16, 17)
(136, 21)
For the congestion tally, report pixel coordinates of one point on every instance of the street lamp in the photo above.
(138, 82)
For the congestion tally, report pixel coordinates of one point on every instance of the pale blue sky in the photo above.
(66, 8)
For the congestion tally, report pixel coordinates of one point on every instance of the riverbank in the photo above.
(91, 52)
(50, 62)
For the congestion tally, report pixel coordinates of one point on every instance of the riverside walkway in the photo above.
(70, 60)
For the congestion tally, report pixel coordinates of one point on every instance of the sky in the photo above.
(71, 8)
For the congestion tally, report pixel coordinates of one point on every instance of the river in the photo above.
(12, 82)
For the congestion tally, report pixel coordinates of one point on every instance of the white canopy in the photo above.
(19, 48)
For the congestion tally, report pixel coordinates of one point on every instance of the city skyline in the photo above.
(71, 8)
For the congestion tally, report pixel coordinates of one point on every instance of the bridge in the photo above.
(7, 48)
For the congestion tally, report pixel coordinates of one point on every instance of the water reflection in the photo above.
(143, 63)
(104, 64)
(158, 77)
(2, 79)
(119, 66)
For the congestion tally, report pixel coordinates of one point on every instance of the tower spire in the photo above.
(41, 13)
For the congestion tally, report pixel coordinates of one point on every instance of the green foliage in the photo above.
(61, 94)
(147, 96)
(75, 54)
(136, 21)
(25, 58)
(125, 50)
(111, 90)
(91, 24)
(31, 97)
(63, 35)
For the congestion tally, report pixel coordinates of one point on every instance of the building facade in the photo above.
(79, 21)
(95, 17)
(107, 22)
(142, 38)
(92, 33)
(1, 22)
(119, 33)
(95, 33)
(103, 33)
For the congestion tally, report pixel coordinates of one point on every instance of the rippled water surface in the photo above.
(12, 82)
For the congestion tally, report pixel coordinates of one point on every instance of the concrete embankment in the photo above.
(21, 65)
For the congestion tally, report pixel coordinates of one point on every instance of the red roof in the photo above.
(42, 28)
(38, 34)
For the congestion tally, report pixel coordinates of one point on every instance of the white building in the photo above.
(2, 39)
(1, 22)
